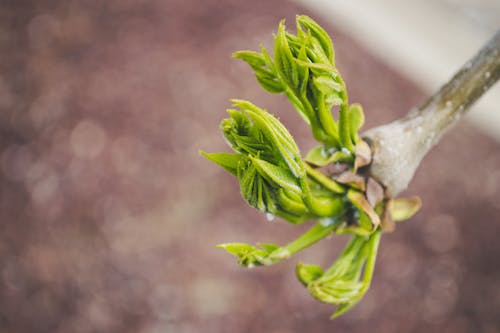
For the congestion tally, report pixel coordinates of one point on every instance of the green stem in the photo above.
(313, 235)
(324, 180)
(372, 257)
(399, 147)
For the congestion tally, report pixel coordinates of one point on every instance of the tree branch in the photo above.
(399, 147)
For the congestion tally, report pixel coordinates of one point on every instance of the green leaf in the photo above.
(320, 157)
(348, 279)
(283, 57)
(343, 308)
(356, 121)
(254, 59)
(327, 85)
(350, 260)
(253, 188)
(365, 223)
(228, 161)
(277, 175)
(306, 23)
(279, 137)
(247, 255)
(236, 249)
(333, 100)
(302, 71)
(371, 256)
(263, 71)
(332, 205)
(269, 83)
(325, 181)
(308, 273)
(336, 292)
(344, 128)
(269, 247)
(325, 118)
(318, 68)
(291, 202)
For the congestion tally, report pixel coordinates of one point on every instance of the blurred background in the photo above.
(109, 216)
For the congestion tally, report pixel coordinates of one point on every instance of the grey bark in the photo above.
(399, 147)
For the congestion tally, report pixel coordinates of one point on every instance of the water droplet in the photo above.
(331, 151)
(327, 221)
(346, 151)
(270, 217)
(250, 265)
(281, 254)
(487, 74)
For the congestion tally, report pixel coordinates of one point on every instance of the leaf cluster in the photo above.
(303, 68)
(275, 178)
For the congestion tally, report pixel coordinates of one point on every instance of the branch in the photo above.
(399, 147)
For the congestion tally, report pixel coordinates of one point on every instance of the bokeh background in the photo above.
(109, 216)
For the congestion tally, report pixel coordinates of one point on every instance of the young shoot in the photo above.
(276, 179)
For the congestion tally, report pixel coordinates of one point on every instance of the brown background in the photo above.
(109, 216)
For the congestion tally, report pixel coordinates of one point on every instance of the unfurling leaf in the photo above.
(264, 71)
(284, 59)
(267, 163)
(328, 86)
(275, 136)
(348, 279)
(319, 156)
(228, 161)
(306, 23)
(254, 59)
(356, 121)
(249, 255)
(275, 175)
(308, 273)
(303, 69)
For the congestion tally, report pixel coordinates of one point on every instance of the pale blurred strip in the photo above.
(427, 40)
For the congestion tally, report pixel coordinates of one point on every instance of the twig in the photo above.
(399, 147)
